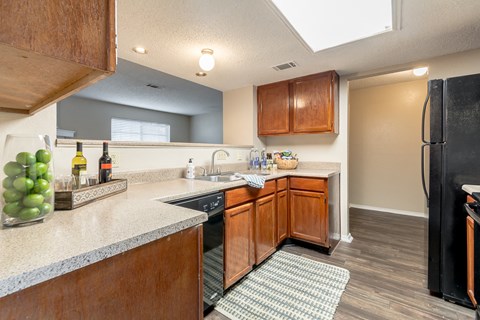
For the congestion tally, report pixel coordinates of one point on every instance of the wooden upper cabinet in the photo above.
(312, 104)
(273, 109)
(51, 49)
(302, 105)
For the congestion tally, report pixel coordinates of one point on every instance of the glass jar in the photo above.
(27, 179)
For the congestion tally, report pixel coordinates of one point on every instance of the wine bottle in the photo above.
(79, 166)
(105, 165)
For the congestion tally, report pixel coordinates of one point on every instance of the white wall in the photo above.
(207, 127)
(149, 158)
(454, 65)
(385, 140)
(240, 117)
(42, 122)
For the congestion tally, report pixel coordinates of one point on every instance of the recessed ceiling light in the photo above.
(318, 26)
(140, 50)
(200, 74)
(420, 71)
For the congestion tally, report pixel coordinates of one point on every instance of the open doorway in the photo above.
(384, 143)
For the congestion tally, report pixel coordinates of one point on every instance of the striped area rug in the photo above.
(286, 286)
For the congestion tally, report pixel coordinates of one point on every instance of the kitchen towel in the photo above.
(253, 180)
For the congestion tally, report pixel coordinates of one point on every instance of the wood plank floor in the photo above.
(387, 263)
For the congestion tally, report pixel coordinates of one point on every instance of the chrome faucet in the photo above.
(212, 165)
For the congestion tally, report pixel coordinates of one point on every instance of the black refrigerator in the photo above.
(454, 153)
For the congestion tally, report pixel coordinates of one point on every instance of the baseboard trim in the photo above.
(347, 238)
(394, 211)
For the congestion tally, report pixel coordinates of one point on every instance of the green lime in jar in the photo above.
(13, 169)
(29, 213)
(26, 158)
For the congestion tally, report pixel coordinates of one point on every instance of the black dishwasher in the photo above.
(213, 205)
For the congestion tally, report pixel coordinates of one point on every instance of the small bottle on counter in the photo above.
(251, 159)
(105, 166)
(190, 169)
(269, 161)
(256, 162)
(263, 160)
(79, 167)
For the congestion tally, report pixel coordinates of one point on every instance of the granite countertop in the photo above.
(70, 240)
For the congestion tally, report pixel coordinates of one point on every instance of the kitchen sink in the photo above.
(227, 176)
(219, 178)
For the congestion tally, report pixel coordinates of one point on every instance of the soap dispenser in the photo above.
(190, 169)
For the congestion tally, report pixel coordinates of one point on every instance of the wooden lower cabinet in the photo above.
(159, 280)
(471, 260)
(265, 237)
(258, 220)
(239, 253)
(282, 216)
(308, 216)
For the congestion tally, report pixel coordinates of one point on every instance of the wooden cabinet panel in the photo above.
(56, 48)
(154, 281)
(282, 184)
(244, 194)
(302, 105)
(308, 216)
(265, 226)
(239, 253)
(312, 104)
(471, 259)
(273, 108)
(310, 184)
(282, 216)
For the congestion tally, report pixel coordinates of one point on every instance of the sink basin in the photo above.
(218, 178)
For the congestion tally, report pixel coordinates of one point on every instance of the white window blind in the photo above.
(134, 130)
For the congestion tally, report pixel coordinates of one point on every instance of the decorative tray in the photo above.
(68, 200)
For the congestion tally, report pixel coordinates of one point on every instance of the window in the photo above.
(134, 130)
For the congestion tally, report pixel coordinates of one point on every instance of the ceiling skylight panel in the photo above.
(323, 24)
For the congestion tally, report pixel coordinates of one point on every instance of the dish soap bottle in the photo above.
(190, 169)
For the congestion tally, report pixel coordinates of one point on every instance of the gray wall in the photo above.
(91, 119)
(207, 128)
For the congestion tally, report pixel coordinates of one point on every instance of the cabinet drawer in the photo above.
(281, 184)
(244, 194)
(311, 184)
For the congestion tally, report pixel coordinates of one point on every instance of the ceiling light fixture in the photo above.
(200, 74)
(420, 71)
(207, 61)
(140, 50)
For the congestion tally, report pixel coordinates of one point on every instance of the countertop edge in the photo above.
(33, 277)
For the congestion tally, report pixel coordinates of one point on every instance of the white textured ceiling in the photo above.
(249, 38)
